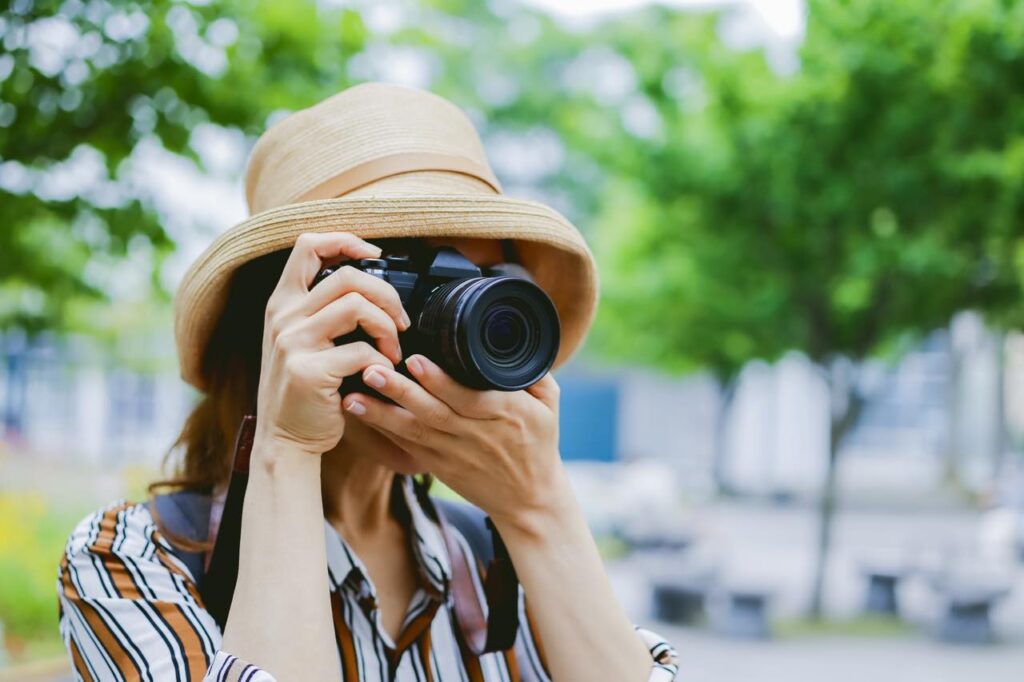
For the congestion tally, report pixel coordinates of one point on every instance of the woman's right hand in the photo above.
(301, 368)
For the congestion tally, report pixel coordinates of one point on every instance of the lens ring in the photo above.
(538, 347)
(456, 320)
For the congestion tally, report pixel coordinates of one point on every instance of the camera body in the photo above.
(492, 329)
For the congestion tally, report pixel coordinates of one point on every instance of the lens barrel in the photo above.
(491, 332)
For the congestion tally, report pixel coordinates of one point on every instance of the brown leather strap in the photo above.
(501, 589)
(243, 444)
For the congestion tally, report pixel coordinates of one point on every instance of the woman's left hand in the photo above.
(498, 449)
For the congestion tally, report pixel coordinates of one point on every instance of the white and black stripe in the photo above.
(153, 627)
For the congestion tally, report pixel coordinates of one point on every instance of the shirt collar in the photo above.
(428, 548)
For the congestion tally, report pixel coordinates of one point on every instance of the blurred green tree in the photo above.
(85, 84)
(840, 211)
(91, 81)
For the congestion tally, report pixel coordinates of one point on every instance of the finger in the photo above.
(312, 249)
(465, 401)
(344, 315)
(396, 420)
(413, 397)
(347, 279)
(338, 362)
(547, 391)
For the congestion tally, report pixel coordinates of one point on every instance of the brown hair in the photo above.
(232, 363)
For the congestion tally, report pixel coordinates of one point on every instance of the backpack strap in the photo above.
(472, 523)
(186, 513)
(496, 629)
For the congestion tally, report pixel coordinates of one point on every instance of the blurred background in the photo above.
(797, 427)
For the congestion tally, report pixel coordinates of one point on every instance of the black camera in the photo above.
(492, 329)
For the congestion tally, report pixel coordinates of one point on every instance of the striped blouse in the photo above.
(130, 610)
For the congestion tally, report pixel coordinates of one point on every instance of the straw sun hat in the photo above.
(381, 161)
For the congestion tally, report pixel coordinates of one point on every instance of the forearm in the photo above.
(585, 633)
(280, 617)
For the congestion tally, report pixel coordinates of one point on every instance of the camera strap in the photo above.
(218, 586)
(495, 631)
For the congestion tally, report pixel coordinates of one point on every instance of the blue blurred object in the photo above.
(881, 597)
(744, 614)
(967, 618)
(588, 418)
(15, 350)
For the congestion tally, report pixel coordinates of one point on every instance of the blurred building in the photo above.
(949, 407)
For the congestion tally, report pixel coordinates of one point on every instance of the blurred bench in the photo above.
(967, 615)
(681, 599)
(881, 596)
(743, 613)
(652, 539)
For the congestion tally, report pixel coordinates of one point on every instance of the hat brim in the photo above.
(549, 246)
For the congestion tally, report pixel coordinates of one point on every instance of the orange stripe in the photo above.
(511, 664)
(472, 664)
(115, 567)
(536, 638)
(161, 554)
(424, 648)
(170, 566)
(77, 661)
(349, 666)
(413, 630)
(469, 660)
(170, 612)
(195, 656)
(117, 652)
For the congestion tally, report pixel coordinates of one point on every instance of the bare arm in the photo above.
(282, 584)
(586, 634)
(280, 618)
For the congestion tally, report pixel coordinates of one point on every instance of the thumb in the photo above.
(547, 391)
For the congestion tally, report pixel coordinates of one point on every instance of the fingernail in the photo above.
(406, 322)
(414, 364)
(375, 379)
(355, 407)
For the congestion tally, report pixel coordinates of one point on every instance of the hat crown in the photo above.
(358, 136)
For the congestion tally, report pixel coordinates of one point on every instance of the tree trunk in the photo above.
(727, 391)
(840, 426)
(951, 455)
(16, 350)
(1000, 390)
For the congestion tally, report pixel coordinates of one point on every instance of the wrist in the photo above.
(276, 456)
(543, 514)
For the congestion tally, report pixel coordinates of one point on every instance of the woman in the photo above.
(342, 572)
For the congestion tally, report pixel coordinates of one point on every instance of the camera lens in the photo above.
(491, 332)
(505, 328)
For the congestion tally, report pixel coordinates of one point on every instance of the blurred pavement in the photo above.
(707, 658)
(772, 547)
